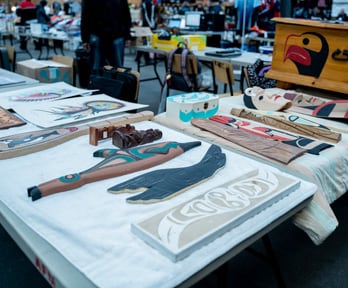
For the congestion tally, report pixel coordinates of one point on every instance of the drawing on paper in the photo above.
(67, 111)
(47, 92)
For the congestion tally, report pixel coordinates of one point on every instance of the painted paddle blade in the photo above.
(118, 162)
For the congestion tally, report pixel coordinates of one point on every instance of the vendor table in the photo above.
(10, 80)
(328, 170)
(246, 58)
(46, 38)
(82, 237)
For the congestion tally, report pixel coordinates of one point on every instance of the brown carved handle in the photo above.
(336, 55)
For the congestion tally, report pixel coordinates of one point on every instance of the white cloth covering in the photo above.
(328, 170)
(91, 227)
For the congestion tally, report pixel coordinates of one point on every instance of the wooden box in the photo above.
(311, 53)
(185, 107)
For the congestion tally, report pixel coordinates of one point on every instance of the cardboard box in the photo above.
(185, 107)
(48, 71)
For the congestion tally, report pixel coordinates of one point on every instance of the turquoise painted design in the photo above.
(297, 119)
(136, 152)
(194, 97)
(187, 116)
(151, 151)
(125, 156)
(70, 178)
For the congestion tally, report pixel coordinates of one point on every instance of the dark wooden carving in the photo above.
(163, 184)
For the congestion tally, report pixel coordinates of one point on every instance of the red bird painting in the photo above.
(308, 51)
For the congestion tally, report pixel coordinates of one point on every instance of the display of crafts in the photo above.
(277, 99)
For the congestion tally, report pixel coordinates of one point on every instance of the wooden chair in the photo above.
(176, 78)
(192, 72)
(245, 77)
(223, 72)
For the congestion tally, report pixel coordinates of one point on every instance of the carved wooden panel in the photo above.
(179, 231)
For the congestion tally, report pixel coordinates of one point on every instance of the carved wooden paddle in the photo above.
(117, 162)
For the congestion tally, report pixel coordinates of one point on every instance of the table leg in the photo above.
(58, 44)
(40, 48)
(270, 258)
(154, 64)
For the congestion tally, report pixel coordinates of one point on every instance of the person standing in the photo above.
(26, 11)
(342, 16)
(149, 17)
(105, 30)
(43, 19)
(26, 4)
(41, 14)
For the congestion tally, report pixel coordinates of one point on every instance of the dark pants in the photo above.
(106, 51)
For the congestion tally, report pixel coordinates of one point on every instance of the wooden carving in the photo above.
(312, 146)
(163, 184)
(271, 149)
(291, 126)
(181, 230)
(117, 162)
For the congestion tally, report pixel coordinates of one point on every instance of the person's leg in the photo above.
(117, 56)
(97, 53)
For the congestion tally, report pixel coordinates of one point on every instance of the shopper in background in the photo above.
(149, 18)
(318, 14)
(105, 30)
(26, 11)
(41, 15)
(67, 7)
(342, 16)
(27, 4)
(43, 19)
